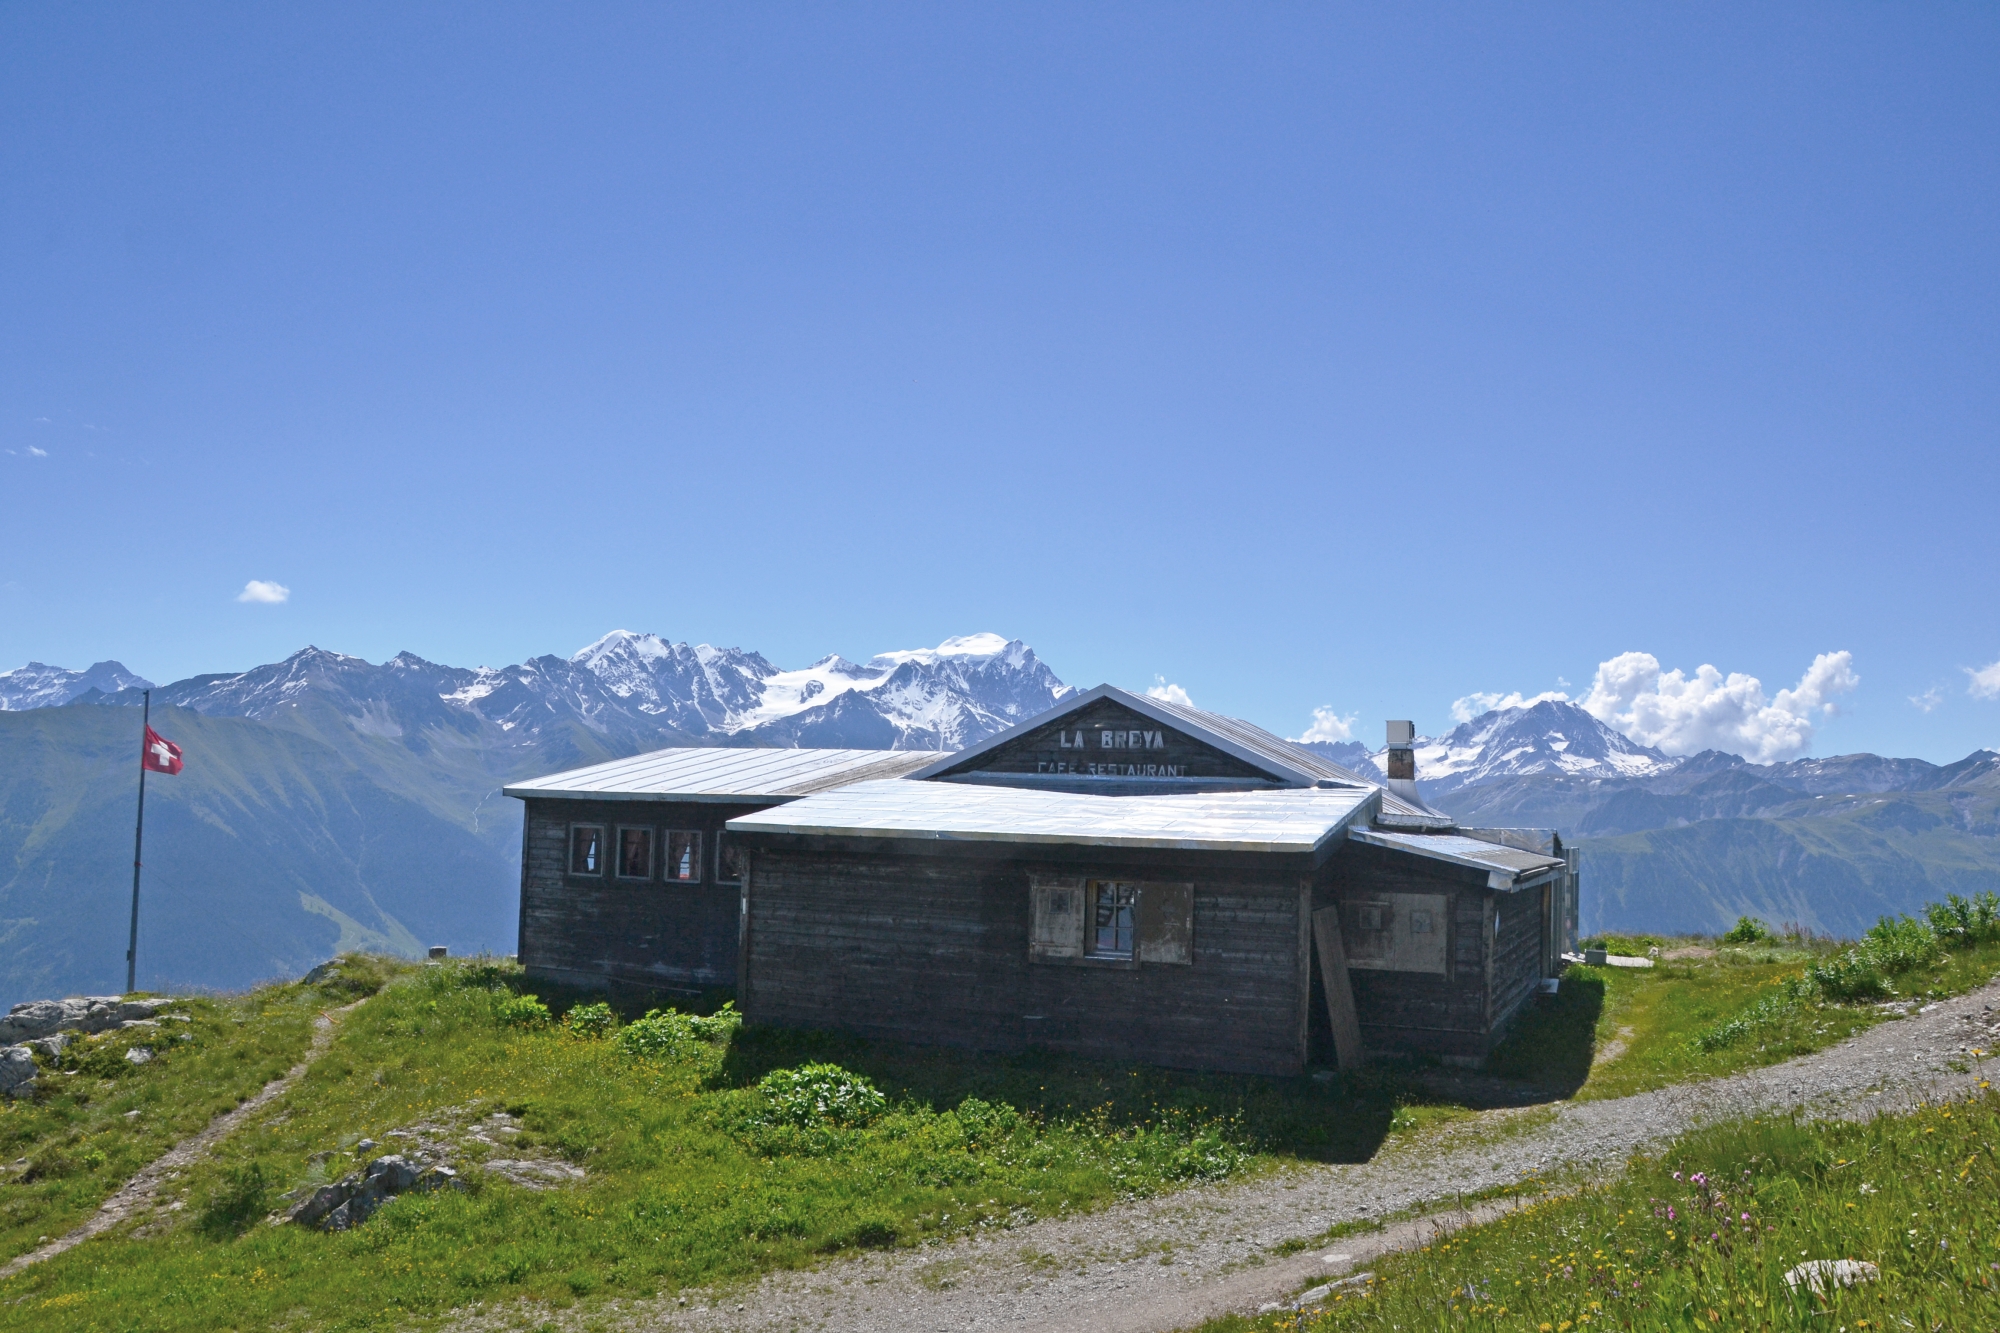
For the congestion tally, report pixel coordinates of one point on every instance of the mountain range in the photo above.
(330, 802)
(1684, 845)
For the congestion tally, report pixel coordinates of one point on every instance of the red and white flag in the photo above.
(161, 754)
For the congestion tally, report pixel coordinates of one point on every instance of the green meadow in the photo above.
(635, 1154)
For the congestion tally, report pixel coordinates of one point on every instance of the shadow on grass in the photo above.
(1330, 1119)
(1553, 1038)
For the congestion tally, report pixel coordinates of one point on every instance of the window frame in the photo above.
(667, 859)
(1092, 888)
(721, 877)
(569, 850)
(618, 853)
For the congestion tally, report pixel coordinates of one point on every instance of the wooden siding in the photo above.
(1109, 740)
(934, 949)
(601, 931)
(1517, 954)
(1418, 1013)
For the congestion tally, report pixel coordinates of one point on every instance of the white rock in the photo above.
(1819, 1274)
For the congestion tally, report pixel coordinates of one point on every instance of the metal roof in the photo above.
(1293, 820)
(1505, 867)
(722, 774)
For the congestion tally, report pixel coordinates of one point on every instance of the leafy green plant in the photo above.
(590, 1020)
(668, 1034)
(1962, 921)
(819, 1096)
(522, 1011)
(1747, 930)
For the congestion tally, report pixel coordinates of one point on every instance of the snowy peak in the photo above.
(1551, 737)
(39, 685)
(625, 692)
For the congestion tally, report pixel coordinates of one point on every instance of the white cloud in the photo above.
(1166, 692)
(1472, 705)
(1985, 682)
(1929, 699)
(1328, 725)
(262, 590)
(1681, 714)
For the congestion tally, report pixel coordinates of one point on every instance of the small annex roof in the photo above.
(1505, 867)
(721, 774)
(1299, 820)
(1285, 761)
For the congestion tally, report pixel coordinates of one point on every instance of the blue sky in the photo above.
(1365, 358)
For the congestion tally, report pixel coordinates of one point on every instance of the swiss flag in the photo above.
(161, 754)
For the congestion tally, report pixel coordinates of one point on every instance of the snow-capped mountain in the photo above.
(38, 685)
(635, 691)
(1551, 737)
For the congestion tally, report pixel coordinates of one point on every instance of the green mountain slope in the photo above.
(271, 851)
(1832, 863)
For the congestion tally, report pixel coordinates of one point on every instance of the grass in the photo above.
(1739, 1007)
(98, 1117)
(712, 1154)
(1701, 1237)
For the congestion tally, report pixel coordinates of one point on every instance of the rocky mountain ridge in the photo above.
(639, 691)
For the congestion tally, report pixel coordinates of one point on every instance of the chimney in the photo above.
(1402, 763)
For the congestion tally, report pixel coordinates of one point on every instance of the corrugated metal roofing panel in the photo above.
(1290, 820)
(721, 774)
(1512, 864)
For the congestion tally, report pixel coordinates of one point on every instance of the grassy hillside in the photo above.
(682, 1156)
(266, 855)
(1701, 1237)
(1834, 864)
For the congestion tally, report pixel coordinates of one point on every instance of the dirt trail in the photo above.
(137, 1194)
(1156, 1265)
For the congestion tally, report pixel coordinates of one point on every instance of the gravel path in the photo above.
(140, 1193)
(1169, 1263)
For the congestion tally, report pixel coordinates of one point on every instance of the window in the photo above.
(635, 853)
(1116, 921)
(586, 849)
(683, 863)
(1110, 925)
(729, 859)
(1397, 932)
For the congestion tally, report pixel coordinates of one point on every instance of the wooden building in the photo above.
(1119, 877)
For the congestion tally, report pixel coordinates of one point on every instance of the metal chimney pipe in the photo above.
(1402, 751)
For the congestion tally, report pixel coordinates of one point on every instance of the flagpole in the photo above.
(138, 843)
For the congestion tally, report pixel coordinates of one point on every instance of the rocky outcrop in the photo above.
(43, 1027)
(350, 1202)
(83, 1013)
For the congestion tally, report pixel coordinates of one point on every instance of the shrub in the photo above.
(1899, 944)
(668, 1034)
(1747, 930)
(1852, 975)
(590, 1020)
(522, 1011)
(983, 1121)
(819, 1096)
(1961, 922)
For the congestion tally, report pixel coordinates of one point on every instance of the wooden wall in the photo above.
(1410, 1012)
(1517, 953)
(933, 948)
(601, 931)
(1457, 1017)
